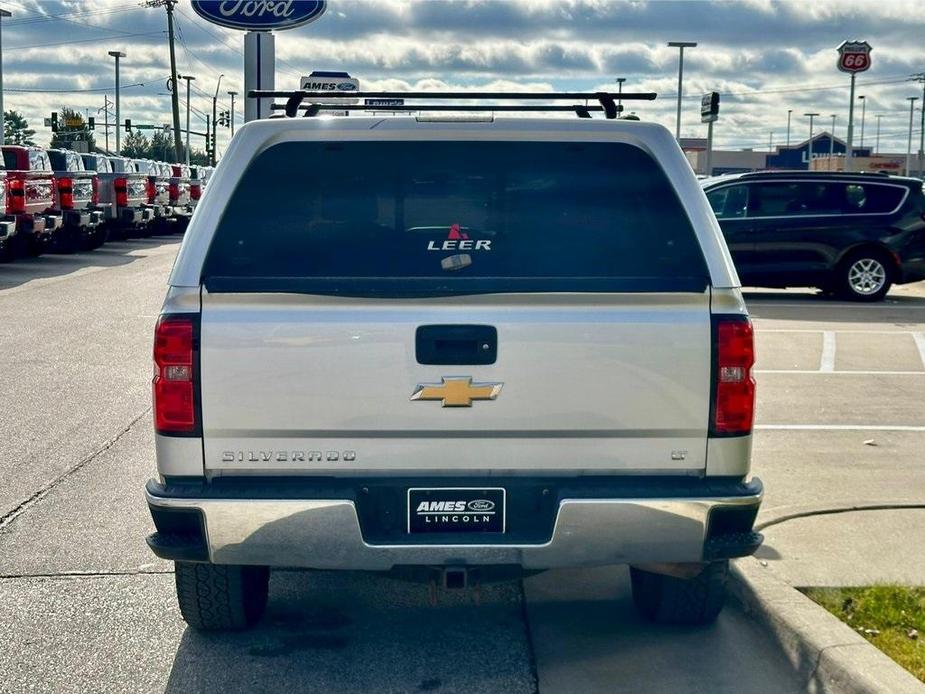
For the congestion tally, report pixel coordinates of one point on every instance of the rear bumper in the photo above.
(235, 524)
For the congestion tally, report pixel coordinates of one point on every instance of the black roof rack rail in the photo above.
(606, 101)
(812, 173)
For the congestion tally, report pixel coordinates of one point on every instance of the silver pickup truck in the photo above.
(457, 350)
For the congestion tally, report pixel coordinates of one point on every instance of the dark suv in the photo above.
(849, 234)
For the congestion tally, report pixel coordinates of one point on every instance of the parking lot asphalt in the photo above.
(88, 608)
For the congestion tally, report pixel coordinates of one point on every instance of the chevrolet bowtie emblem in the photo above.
(457, 391)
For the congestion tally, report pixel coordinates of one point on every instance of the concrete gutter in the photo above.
(828, 654)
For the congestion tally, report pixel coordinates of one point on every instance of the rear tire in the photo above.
(670, 600)
(866, 275)
(216, 597)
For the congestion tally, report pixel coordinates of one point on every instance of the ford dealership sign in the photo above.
(260, 15)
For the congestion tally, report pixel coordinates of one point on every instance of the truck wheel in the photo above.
(671, 600)
(214, 597)
(864, 276)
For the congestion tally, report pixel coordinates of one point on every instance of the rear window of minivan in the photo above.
(392, 218)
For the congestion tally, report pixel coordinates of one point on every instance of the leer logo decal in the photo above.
(458, 240)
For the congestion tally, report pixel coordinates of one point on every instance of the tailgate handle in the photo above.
(456, 344)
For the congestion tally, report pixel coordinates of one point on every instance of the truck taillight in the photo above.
(15, 196)
(151, 190)
(195, 191)
(733, 383)
(174, 377)
(121, 186)
(66, 193)
(95, 198)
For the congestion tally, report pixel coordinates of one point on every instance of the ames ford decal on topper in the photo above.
(260, 15)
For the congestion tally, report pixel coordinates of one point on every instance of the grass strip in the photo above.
(891, 617)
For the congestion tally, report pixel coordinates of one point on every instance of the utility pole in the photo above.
(810, 156)
(208, 139)
(188, 78)
(911, 100)
(770, 142)
(214, 117)
(3, 13)
(117, 55)
(789, 112)
(232, 95)
(175, 97)
(680, 45)
(920, 77)
(877, 146)
(106, 104)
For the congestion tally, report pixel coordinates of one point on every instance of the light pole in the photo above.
(877, 146)
(770, 142)
(832, 141)
(117, 55)
(911, 100)
(810, 155)
(188, 78)
(789, 112)
(231, 115)
(3, 13)
(620, 81)
(863, 100)
(214, 119)
(680, 45)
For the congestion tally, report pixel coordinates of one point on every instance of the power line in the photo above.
(69, 91)
(64, 43)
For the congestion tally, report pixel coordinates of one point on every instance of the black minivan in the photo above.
(853, 235)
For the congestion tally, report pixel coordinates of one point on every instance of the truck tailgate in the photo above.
(591, 383)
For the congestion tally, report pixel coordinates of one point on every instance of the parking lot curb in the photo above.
(828, 654)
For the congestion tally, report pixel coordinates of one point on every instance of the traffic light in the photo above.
(128, 125)
(225, 119)
(54, 121)
(91, 123)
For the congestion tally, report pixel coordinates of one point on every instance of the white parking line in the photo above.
(920, 343)
(839, 373)
(827, 360)
(816, 332)
(838, 427)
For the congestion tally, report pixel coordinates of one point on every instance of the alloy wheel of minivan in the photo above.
(866, 278)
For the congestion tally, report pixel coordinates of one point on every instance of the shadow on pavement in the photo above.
(111, 254)
(354, 632)
(589, 638)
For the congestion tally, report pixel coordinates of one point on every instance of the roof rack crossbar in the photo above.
(314, 109)
(607, 100)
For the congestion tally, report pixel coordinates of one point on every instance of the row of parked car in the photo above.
(61, 200)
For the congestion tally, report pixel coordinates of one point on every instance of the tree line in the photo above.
(135, 145)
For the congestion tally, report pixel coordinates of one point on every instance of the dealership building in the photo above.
(828, 154)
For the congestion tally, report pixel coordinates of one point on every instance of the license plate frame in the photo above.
(473, 518)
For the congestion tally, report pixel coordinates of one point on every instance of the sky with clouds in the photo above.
(765, 57)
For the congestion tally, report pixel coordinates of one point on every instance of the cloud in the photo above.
(765, 57)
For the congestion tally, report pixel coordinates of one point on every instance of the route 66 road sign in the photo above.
(854, 56)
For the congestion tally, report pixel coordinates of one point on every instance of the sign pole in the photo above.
(709, 170)
(849, 149)
(259, 72)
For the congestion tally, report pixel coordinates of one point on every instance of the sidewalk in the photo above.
(856, 548)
